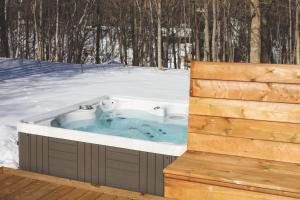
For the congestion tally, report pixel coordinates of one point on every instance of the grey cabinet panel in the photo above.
(102, 164)
(39, 154)
(97, 164)
(45, 155)
(122, 179)
(32, 148)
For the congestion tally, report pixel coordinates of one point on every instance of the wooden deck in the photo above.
(22, 185)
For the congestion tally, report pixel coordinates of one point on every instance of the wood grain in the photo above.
(243, 136)
(63, 186)
(279, 112)
(285, 152)
(252, 129)
(246, 72)
(185, 190)
(238, 172)
(269, 92)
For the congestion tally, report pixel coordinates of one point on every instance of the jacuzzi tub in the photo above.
(114, 141)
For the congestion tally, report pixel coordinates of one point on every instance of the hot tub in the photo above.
(115, 141)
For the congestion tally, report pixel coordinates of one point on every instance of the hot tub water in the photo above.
(135, 124)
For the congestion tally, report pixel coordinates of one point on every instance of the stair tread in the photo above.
(237, 172)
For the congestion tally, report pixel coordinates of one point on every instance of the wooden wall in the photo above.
(245, 110)
(92, 163)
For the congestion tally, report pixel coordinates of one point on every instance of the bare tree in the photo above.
(214, 31)
(197, 35)
(4, 49)
(57, 46)
(139, 33)
(255, 40)
(159, 43)
(290, 51)
(297, 37)
(206, 33)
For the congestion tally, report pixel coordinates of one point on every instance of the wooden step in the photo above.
(197, 175)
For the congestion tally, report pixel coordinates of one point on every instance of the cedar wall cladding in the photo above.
(98, 164)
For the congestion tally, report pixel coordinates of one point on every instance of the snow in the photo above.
(28, 88)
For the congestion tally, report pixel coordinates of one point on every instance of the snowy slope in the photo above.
(28, 88)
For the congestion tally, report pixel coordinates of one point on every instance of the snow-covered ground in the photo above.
(28, 88)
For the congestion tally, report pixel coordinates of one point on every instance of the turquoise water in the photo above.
(134, 124)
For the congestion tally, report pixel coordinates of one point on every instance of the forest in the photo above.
(158, 33)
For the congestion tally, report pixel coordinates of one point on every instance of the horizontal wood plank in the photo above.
(286, 152)
(252, 129)
(185, 190)
(246, 72)
(269, 92)
(257, 175)
(279, 112)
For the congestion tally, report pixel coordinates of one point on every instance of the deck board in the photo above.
(74, 195)
(15, 187)
(23, 185)
(90, 196)
(9, 181)
(58, 193)
(30, 191)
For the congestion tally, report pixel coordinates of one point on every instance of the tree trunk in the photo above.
(98, 33)
(214, 32)
(174, 47)
(290, 33)
(297, 37)
(197, 35)
(206, 33)
(27, 36)
(218, 40)
(255, 40)
(36, 35)
(40, 32)
(19, 29)
(178, 52)
(98, 30)
(225, 27)
(159, 43)
(135, 59)
(57, 47)
(4, 47)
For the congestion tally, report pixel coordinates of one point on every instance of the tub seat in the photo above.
(200, 175)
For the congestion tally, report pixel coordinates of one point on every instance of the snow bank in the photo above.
(29, 88)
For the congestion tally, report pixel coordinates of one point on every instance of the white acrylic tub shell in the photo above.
(40, 125)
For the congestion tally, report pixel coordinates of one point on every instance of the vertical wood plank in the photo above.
(39, 153)
(95, 164)
(102, 164)
(159, 180)
(87, 162)
(45, 155)
(80, 161)
(151, 173)
(32, 153)
(143, 171)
